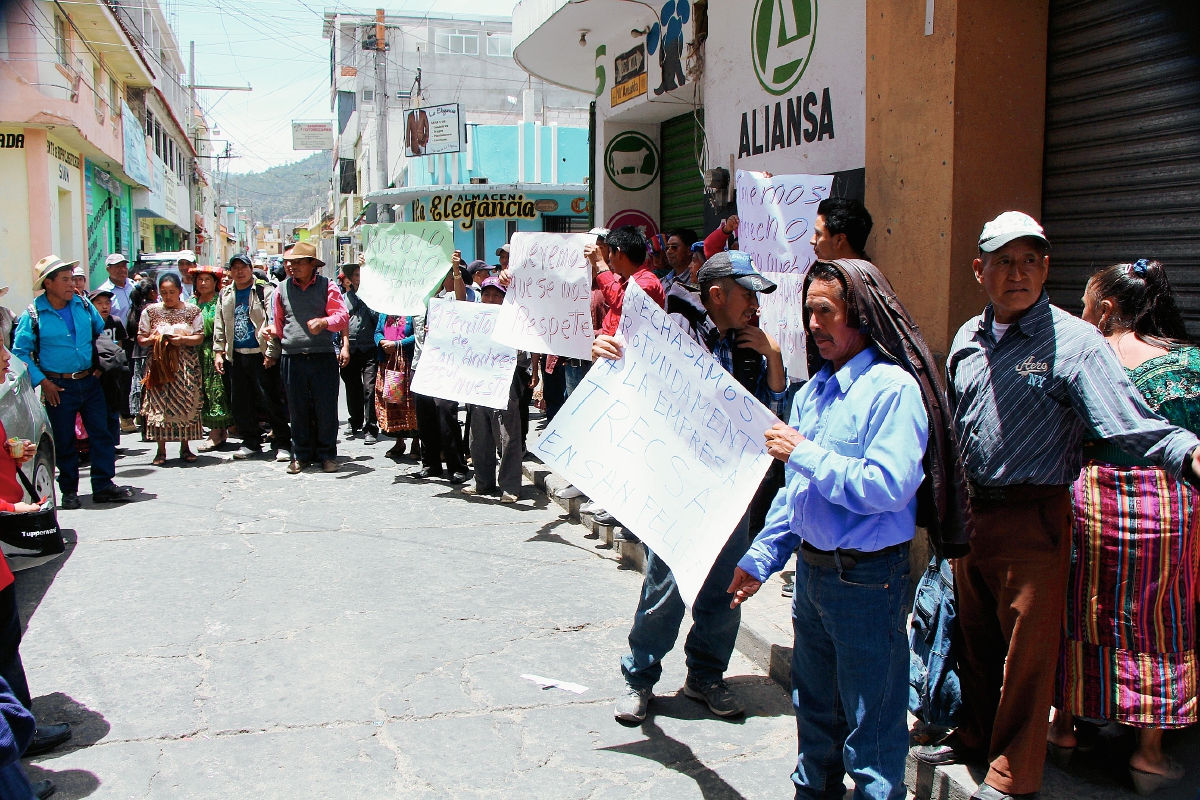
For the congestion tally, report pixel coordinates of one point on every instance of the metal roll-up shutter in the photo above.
(1122, 158)
(682, 202)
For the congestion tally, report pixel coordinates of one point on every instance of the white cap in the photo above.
(79, 272)
(599, 232)
(187, 255)
(114, 259)
(1009, 226)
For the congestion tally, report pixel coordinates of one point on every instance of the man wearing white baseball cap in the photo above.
(1026, 381)
(187, 263)
(118, 283)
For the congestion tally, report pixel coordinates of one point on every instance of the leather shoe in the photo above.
(329, 466)
(69, 501)
(43, 789)
(458, 477)
(989, 792)
(295, 468)
(113, 494)
(429, 472)
(48, 737)
(948, 752)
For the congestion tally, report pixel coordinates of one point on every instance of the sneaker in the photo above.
(589, 507)
(716, 695)
(508, 498)
(458, 477)
(283, 455)
(370, 438)
(350, 432)
(631, 707)
(568, 492)
(470, 490)
(789, 588)
(602, 517)
(246, 452)
(295, 468)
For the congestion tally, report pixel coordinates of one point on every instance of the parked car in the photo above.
(24, 417)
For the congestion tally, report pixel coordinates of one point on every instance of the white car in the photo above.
(24, 417)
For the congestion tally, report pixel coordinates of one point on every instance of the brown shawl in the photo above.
(943, 507)
(164, 363)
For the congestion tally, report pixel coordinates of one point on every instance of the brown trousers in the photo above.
(1011, 591)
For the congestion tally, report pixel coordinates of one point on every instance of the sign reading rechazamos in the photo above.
(786, 87)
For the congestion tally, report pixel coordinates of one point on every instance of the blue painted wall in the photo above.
(495, 156)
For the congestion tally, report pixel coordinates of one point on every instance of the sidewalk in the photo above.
(765, 637)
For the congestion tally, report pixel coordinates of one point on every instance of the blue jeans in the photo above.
(86, 398)
(573, 375)
(850, 678)
(313, 382)
(709, 644)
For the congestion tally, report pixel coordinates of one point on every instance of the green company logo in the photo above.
(631, 161)
(782, 35)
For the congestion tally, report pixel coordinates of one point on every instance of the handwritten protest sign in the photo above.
(548, 305)
(777, 216)
(405, 264)
(460, 360)
(664, 439)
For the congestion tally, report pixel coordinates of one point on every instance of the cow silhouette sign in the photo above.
(631, 161)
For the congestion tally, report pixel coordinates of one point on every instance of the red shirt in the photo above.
(613, 288)
(10, 493)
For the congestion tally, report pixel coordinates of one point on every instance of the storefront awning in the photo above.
(410, 193)
(546, 40)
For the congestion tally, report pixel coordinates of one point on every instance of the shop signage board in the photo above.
(776, 217)
(547, 308)
(629, 70)
(405, 263)
(434, 129)
(459, 358)
(665, 439)
(137, 165)
(632, 161)
(312, 135)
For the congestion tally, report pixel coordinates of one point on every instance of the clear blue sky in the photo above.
(276, 47)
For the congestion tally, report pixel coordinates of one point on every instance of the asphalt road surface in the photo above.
(240, 632)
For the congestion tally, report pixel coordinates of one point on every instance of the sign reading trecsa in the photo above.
(312, 135)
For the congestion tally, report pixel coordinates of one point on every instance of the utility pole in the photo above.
(386, 211)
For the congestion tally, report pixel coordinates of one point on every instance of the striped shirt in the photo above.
(1022, 405)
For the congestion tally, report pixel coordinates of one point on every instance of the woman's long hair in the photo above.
(1144, 302)
(142, 295)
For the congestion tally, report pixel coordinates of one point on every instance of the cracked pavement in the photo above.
(239, 632)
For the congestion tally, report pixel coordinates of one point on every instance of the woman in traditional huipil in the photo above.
(172, 330)
(1129, 646)
(395, 406)
(215, 412)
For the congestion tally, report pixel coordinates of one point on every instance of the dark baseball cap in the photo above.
(737, 265)
(242, 257)
(477, 265)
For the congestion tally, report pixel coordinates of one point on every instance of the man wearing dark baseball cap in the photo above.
(728, 286)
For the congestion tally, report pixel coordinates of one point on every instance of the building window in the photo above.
(158, 140)
(114, 96)
(149, 124)
(499, 44)
(98, 89)
(368, 96)
(560, 224)
(448, 40)
(62, 45)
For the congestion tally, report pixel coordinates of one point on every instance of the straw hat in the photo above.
(47, 267)
(303, 250)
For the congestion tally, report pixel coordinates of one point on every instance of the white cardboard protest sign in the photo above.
(405, 264)
(776, 218)
(460, 360)
(664, 439)
(548, 306)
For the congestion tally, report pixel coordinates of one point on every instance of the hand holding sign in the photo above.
(665, 439)
(405, 263)
(548, 305)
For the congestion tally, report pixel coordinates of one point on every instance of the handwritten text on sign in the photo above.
(664, 439)
(548, 305)
(405, 264)
(460, 360)
(777, 216)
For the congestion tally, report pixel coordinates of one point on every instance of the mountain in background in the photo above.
(290, 191)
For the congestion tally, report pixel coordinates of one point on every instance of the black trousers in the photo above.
(358, 376)
(11, 668)
(253, 387)
(311, 381)
(441, 437)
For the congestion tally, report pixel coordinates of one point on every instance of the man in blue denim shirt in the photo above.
(58, 354)
(853, 458)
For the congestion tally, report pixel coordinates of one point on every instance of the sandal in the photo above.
(188, 457)
(209, 446)
(158, 461)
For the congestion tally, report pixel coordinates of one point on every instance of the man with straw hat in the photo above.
(54, 338)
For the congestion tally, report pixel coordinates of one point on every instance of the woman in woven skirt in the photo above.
(1129, 648)
(142, 295)
(394, 403)
(172, 330)
(214, 412)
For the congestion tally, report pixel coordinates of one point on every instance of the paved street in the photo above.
(240, 632)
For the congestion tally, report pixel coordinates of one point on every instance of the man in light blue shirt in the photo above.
(55, 338)
(853, 456)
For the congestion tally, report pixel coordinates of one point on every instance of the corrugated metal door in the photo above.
(1122, 159)
(682, 201)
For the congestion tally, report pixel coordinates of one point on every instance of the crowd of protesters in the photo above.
(1050, 459)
